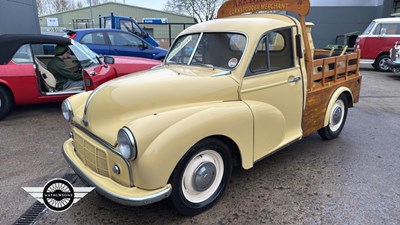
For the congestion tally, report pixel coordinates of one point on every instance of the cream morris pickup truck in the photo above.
(231, 91)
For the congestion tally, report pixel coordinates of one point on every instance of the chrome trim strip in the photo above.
(109, 147)
(195, 49)
(118, 198)
(367, 61)
(62, 93)
(223, 73)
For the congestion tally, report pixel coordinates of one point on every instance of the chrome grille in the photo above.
(93, 157)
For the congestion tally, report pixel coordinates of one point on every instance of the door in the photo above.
(20, 74)
(96, 41)
(273, 88)
(126, 44)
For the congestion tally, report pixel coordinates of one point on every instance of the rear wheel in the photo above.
(337, 119)
(380, 64)
(5, 102)
(201, 176)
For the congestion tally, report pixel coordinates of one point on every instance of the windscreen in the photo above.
(369, 28)
(221, 50)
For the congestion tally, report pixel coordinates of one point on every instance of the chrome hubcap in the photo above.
(337, 115)
(383, 65)
(204, 176)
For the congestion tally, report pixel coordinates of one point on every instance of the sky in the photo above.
(151, 4)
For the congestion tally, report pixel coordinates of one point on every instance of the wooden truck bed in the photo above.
(328, 74)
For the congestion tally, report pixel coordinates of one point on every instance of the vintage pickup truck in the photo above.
(231, 91)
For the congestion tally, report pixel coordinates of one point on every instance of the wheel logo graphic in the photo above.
(58, 195)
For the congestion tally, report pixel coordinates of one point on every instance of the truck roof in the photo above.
(248, 23)
(388, 20)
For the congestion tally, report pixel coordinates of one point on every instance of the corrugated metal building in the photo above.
(331, 18)
(82, 18)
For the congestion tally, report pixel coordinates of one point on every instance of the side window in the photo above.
(125, 25)
(94, 38)
(260, 62)
(377, 30)
(390, 29)
(128, 25)
(23, 55)
(122, 39)
(274, 52)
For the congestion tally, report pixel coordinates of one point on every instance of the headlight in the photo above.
(67, 110)
(126, 144)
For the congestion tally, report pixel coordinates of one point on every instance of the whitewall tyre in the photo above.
(337, 119)
(200, 177)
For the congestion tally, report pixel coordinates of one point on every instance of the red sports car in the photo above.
(24, 78)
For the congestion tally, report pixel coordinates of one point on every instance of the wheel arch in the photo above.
(232, 147)
(8, 89)
(381, 54)
(349, 97)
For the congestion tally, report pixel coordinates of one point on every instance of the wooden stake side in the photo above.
(308, 56)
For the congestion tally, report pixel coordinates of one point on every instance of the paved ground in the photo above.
(354, 179)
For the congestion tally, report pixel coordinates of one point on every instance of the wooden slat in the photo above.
(318, 100)
(331, 69)
(321, 52)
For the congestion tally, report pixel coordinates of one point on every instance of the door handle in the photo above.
(294, 80)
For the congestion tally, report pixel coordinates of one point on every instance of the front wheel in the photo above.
(337, 119)
(200, 177)
(380, 63)
(5, 102)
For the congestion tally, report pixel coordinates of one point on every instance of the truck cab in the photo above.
(128, 24)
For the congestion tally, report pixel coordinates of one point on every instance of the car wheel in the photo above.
(5, 102)
(337, 119)
(200, 177)
(380, 64)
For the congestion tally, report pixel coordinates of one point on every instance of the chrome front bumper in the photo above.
(392, 64)
(130, 196)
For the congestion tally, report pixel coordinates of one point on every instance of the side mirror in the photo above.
(109, 60)
(145, 35)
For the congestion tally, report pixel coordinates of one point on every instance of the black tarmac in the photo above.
(354, 179)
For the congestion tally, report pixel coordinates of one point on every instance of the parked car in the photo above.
(24, 78)
(117, 42)
(232, 91)
(394, 62)
(377, 40)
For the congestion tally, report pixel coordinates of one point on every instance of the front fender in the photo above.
(166, 139)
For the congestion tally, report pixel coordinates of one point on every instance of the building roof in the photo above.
(388, 20)
(115, 4)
